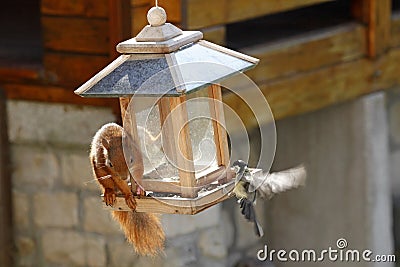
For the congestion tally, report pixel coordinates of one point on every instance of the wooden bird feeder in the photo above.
(167, 83)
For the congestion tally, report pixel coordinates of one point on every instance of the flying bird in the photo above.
(263, 184)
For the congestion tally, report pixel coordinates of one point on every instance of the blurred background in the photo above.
(329, 69)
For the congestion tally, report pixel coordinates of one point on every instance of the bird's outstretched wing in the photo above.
(249, 213)
(269, 184)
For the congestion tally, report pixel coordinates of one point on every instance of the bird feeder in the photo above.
(167, 81)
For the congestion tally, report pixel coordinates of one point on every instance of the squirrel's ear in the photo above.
(105, 143)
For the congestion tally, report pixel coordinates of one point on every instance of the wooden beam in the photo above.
(387, 70)
(184, 155)
(309, 51)
(139, 14)
(6, 229)
(84, 8)
(135, 3)
(81, 35)
(119, 24)
(205, 13)
(323, 87)
(54, 94)
(395, 41)
(310, 91)
(377, 15)
(215, 34)
(71, 70)
(218, 117)
(28, 74)
(173, 9)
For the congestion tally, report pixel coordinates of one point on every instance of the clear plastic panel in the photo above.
(201, 132)
(156, 164)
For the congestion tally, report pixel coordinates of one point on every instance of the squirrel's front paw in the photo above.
(131, 202)
(109, 197)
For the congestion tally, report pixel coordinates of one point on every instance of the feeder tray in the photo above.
(167, 81)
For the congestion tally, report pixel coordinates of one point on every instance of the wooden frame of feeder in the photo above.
(162, 48)
(218, 179)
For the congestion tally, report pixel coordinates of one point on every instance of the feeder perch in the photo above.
(167, 81)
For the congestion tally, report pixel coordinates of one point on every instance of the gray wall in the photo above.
(345, 149)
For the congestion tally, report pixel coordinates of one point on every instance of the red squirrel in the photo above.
(142, 230)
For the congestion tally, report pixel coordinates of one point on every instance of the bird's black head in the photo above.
(241, 164)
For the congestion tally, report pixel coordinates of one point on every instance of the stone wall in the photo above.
(345, 149)
(393, 108)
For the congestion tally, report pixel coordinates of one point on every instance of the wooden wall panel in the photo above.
(47, 93)
(376, 14)
(387, 72)
(215, 34)
(205, 13)
(139, 18)
(76, 35)
(135, 3)
(6, 230)
(173, 9)
(395, 29)
(71, 70)
(311, 91)
(308, 51)
(84, 8)
(119, 24)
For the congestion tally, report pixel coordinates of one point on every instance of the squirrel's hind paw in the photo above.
(131, 202)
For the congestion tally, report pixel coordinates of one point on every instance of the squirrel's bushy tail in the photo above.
(142, 230)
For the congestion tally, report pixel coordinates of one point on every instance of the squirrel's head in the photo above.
(123, 156)
(114, 157)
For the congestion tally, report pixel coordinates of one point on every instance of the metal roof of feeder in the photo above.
(164, 60)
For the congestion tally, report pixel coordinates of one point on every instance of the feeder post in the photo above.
(218, 120)
(183, 147)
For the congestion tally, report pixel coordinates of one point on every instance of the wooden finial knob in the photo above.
(156, 16)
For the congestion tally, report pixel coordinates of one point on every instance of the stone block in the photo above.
(394, 122)
(34, 122)
(58, 209)
(97, 219)
(33, 166)
(212, 244)
(21, 210)
(25, 246)
(95, 251)
(227, 229)
(175, 225)
(395, 172)
(181, 251)
(150, 262)
(71, 248)
(121, 253)
(76, 171)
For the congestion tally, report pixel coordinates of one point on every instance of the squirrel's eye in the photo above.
(110, 164)
(131, 161)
